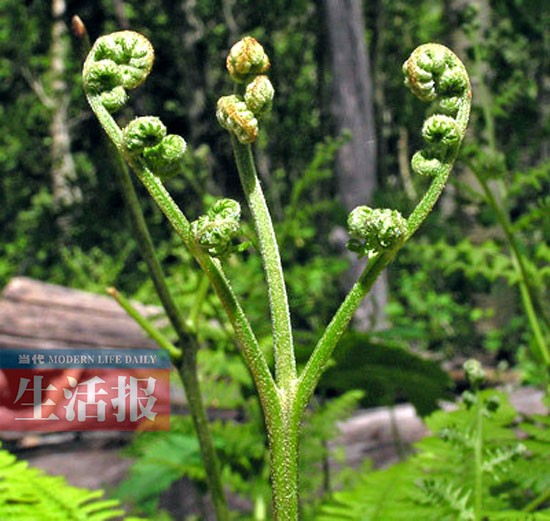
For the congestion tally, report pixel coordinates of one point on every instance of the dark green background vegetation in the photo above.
(452, 290)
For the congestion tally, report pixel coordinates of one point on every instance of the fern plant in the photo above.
(120, 62)
(489, 165)
(472, 468)
(27, 494)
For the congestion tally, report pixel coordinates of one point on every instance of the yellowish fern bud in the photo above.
(259, 95)
(233, 115)
(247, 59)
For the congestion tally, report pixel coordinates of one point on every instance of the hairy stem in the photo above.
(247, 340)
(188, 373)
(283, 426)
(283, 421)
(320, 357)
(285, 365)
(187, 344)
(323, 351)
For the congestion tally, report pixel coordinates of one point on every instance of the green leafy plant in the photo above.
(501, 191)
(386, 373)
(27, 494)
(120, 62)
(473, 467)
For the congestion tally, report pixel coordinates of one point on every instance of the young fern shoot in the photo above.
(121, 61)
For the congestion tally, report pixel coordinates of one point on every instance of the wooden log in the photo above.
(382, 434)
(35, 314)
(72, 326)
(30, 291)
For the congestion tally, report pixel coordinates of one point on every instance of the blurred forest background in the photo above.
(473, 282)
(341, 134)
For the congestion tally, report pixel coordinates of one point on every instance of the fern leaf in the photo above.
(497, 461)
(27, 494)
(518, 515)
(379, 496)
(453, 499)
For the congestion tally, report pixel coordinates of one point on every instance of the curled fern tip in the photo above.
(116, 62)
(215, 230)
(374, 230)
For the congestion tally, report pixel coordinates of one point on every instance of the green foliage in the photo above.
(378, 496)
(385, 373)
(441, 480)
(241, 448)
(427, 311)
(321, 427)
(95, 269)
(27, 494)
(156, 468)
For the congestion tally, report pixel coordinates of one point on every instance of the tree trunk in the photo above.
(352, 108)
(63, 171)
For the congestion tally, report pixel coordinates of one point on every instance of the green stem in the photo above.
(249, 345)
(188, 372)
(519, 265)
(323, 351)
(152, 331)
(285, 364)
(247, 340)
(539, 500)
(478, 460)
(283, 426)
(146, 247)
(283, 419)
(188, 345)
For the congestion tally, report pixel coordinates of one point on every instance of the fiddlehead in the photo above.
(121, 61)
(435, 74)
(146, 137)
(115, 63)
(374, 230)
(234, 115)
(247, 59)
(143, 133)
(246, 63)
(259, 96)
(215, 230)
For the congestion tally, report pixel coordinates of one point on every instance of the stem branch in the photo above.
(247, 340)
(519, 265)
(285, 364)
